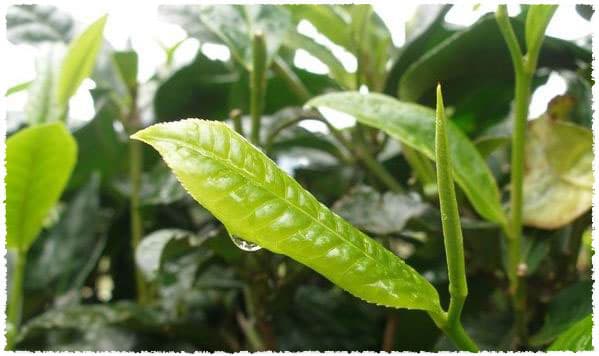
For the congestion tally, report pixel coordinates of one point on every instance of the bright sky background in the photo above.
(146, 31)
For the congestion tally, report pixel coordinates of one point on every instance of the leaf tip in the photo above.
(440, 105)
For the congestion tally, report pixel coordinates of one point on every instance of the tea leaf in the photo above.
(414, 125)
(258, 202)
(330, 20)
(537, 20)
(35, 24)
(39, 161)
(577, 338)
(149, 252)
(79, 61)
(236, 25)
(569, 306)
(41, 101)
(558, 181)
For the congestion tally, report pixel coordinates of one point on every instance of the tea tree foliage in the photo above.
(221, 204)
(258, 202)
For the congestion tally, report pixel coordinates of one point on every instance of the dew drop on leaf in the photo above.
(243, 244)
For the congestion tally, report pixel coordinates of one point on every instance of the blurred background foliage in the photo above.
(80, 287)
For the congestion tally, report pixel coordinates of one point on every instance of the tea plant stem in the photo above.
(235, 115)
(257, 85)
(135, 168)
(455, 332)
(15, 302)
(523, 71)
(450, 219)
(294, 82)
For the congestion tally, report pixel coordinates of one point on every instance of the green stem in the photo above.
(450, 219)
(454, 331)
(236, 117)
(135, 166)
(257, 85)
(132, 124)
(15, 302)
(423, 170)
(523, 71)
(293, 81)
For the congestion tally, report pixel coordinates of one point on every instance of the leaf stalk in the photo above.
(15, 302)
(257, 85)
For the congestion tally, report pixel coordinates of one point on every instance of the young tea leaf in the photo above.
(414, 125)
(39, 161)
(537, 20)
(260, 203)
(79, 61)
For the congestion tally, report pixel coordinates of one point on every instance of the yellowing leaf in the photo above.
(558, 179)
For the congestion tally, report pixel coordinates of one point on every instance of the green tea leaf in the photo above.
(330, 20)
(569, 306)
(18, 88)
(126, 64)
(64, 255)
(379, 213)
(235, 25)
(578, 337)
(79, 61)
(148, 253)
(462, 62)
(558, 181)
(336, 70)
(258, 202)
(39, 161)
(35, 24)
(414, 125)
(537, 20)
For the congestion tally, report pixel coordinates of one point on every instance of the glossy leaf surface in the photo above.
(578, 337)
(79, 60)
(258, 202)
(558, 181)
(39, 161)
(414, 125)
(149, 252)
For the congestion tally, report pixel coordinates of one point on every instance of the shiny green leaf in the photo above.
(39, 161)
(260, 203)
(414, 125)
(79, 61)
(330, 20)
(579, 337)
(558, 181)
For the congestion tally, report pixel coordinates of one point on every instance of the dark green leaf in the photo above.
(39, 161)
(569, 306)
(63, 257)
(414, 125)
(462, 62)
(230, 177)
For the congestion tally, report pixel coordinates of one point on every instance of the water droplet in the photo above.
(243, 244)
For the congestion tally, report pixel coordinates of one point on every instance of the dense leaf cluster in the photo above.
(119, 255)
